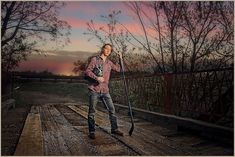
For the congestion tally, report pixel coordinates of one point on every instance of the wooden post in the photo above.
(168, 94)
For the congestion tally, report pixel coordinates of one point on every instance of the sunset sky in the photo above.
(77, 14)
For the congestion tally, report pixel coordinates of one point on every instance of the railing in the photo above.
(49, 78)
(203, 95)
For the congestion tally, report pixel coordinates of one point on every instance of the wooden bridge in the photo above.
(174, 114)
(61, 129)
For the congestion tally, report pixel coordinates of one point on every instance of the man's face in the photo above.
(107, 50)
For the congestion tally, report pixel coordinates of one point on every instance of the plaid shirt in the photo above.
(107, 67)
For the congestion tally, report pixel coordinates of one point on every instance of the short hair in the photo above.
(106, 45)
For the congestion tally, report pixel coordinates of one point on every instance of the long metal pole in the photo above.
(127, 96)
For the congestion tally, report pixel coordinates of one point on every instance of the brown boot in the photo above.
(117, 132)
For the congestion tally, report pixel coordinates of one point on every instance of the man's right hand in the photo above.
(100, 79)
(120, 55)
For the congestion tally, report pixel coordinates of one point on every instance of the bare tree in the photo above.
(189, 31)
(184, 36)
(25, 25)
(206, 24)
(110, 33)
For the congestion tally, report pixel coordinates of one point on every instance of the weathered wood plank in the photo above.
(102, 140)
(54, 143)
(99, 119)
(151, 143)
(111, 149)
(219, 132)
(144, 143)
(64, 139)
(31, 140)
(64, 131)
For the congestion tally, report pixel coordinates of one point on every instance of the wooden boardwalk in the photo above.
(61, 129)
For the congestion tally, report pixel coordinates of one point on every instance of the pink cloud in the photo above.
(95, 7)
(85, 7)
(134, 28)
(76, 23)
(80, 23)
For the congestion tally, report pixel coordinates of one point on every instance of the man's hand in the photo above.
(100, 79)
(120, 55)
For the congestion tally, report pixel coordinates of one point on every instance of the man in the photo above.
(99, 90)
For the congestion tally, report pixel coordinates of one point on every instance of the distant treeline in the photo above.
(28, 72)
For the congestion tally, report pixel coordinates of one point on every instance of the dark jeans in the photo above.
(107, 100)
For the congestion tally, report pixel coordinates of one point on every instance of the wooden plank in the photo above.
(182, 143)
(102, 141)
(63, 139)
(48, 123)
(156, 135)
(80, 110)
(54, 144)
(99, 119)
(151, 143)
(145, 144)
(186, 139)
(31, 140)
(219, 132)
(145, 140)
(111, 149)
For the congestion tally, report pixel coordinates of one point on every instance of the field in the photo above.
(44, 92)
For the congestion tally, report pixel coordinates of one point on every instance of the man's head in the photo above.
(106, 49)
